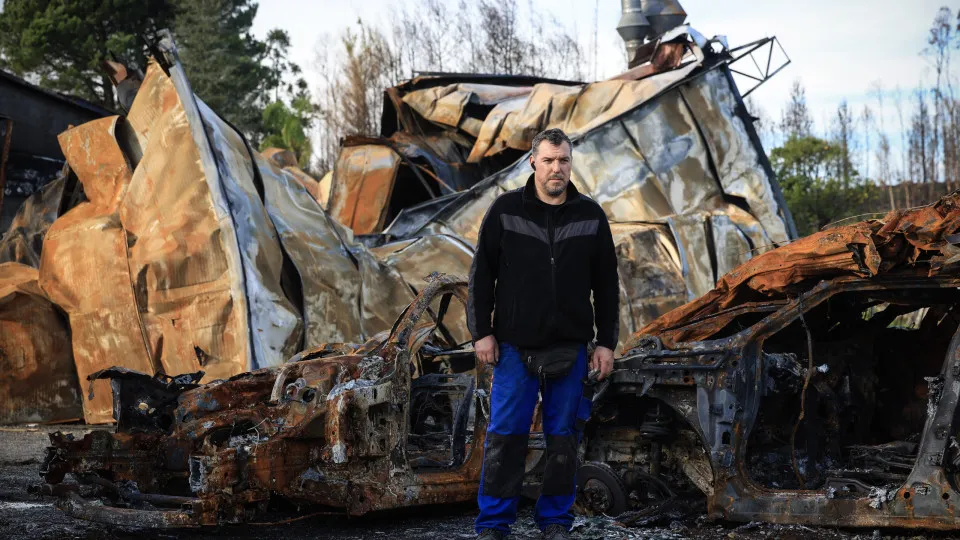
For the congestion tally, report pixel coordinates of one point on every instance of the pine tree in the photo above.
(63, 42)
(223, 59)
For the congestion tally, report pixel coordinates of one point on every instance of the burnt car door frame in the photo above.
(459, 482)
(727, 377)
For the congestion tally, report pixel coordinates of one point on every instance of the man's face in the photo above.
(551, 167)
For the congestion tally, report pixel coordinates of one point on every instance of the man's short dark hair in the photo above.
(554, 136)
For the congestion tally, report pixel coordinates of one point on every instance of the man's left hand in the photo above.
(602, 361)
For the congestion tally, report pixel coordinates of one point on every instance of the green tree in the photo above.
(63, 42)
(277, 48)
(288, 127)
(808, 169)
(223, 60)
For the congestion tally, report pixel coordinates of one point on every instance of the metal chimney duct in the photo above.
(634, 26)
(642, 19)
(663, 14)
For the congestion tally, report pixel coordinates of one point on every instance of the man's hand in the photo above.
(487, 350)
(602, 361)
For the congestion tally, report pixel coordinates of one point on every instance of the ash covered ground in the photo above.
(24, 516)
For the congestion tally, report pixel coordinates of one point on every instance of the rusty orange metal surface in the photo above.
(37, 380)
(871, 248)
(366, 175)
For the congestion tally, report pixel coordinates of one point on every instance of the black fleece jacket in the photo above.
(537, 264)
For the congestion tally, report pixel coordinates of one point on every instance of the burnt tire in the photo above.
(600, 490)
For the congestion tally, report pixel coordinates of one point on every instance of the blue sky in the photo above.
(838, 48)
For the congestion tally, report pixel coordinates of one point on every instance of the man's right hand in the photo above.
(487, 350)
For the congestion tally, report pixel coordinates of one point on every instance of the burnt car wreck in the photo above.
(394, 422)
(817, 384)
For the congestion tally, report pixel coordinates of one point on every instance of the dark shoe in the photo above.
(556, 532)
(492, 534)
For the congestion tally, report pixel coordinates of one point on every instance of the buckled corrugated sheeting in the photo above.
(678, 159)
(348, 295)
(923, 240)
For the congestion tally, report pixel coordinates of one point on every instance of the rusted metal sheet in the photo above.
(865, 249)
(366, 176)
(84, 267)
(186, 261)
(37, 380)
(345, 427)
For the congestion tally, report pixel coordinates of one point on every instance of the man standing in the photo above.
(542, 250)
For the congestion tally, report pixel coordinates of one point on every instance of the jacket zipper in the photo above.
(553, 262)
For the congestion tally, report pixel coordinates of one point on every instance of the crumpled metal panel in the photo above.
(521, 112)
(346, 295)
(870, 248)
(691, 237)
(651, 276)
(413, 259)
(184, 262)
(366, 175)
(287, 160)
(23, 241)
(84, 267)
(445, 104)
(730, 244)
(274, 321)
(712, 100)
(37, 380)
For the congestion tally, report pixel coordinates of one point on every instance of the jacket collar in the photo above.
(530, 193)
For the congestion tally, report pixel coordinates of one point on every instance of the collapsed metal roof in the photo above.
(194, 252)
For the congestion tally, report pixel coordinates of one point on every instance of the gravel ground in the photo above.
(27, 517)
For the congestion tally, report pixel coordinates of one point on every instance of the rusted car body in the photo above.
(817, 384)
(394, 422)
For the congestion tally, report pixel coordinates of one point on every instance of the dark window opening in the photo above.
(409, 189)
(442, 394)
(866, 399)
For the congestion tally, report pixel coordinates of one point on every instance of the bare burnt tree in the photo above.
(843, 134)
(920, 141)
(796, 120)
(354, 70)
(866, 122)
(493, 37)
(904, 174)
(939, 42)
(884, 173)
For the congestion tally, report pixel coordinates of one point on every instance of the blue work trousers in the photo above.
(564, 410)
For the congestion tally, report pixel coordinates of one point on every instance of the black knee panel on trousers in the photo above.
(503, 464)
(559, 474)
